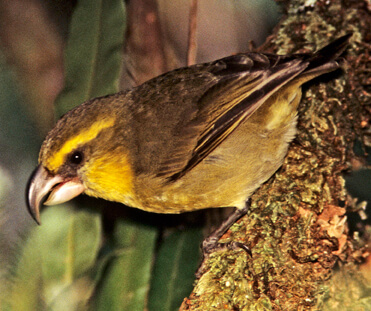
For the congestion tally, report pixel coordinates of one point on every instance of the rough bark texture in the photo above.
(303, 254)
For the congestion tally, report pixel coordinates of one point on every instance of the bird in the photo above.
(203, 136)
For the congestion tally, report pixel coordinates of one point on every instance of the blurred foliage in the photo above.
(125, 283)
(173, 272)
(93, 53)
(33, 46)
(18, 149)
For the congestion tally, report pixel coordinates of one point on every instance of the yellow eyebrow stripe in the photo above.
(81, 138)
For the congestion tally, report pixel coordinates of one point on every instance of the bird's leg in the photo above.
(211, 243)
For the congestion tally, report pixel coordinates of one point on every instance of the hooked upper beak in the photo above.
(42, 182)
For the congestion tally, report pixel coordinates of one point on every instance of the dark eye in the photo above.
(76, 157)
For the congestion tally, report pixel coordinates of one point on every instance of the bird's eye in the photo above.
(76, 157)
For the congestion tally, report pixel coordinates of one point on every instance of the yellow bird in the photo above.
(197, 137)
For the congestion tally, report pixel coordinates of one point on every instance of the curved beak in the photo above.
(41, 183)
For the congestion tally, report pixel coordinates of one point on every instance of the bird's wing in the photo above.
(245, 81)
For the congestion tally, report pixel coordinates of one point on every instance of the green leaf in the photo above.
(54, 260)
(70, 241)
(173, 275)
(125, 282)
(93, 54)
(22, 286)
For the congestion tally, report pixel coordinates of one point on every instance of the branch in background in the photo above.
(192, 34)
(144, 55)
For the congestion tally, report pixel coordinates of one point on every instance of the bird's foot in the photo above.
(211, 244)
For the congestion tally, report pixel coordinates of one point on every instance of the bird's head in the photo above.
(83, 153)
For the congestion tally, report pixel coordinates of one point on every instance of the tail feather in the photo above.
(324, 60)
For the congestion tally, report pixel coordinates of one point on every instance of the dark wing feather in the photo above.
(248, 99)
